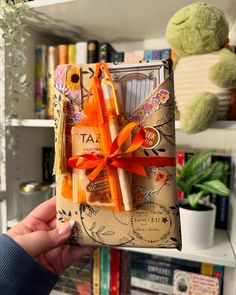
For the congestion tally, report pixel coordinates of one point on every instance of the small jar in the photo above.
(31, 195)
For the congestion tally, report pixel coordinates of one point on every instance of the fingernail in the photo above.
(67, 228)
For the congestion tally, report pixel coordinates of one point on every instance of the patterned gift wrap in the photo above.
(147, 90)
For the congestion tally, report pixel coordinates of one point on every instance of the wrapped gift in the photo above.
(120, 191)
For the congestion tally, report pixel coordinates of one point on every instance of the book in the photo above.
(148, 54)
(105, 52)
(51, 65)
(125, 273)
(92, 51)
(62, 54)
(40, 81)
(114, 271)
(117, 56)
(71, 54)
(165, 53)
(180, 159)
(96, 271)
(222, 202)
(156, 54)
(215, 271)
(82, 52)
(191, 283)
(151, 286)
(105, 271)
(48, 162)
(151, 276)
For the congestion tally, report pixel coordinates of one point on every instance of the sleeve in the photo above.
(20, 274)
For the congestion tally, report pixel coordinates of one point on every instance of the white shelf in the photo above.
(221, 253)
(123, 25)
(31, 123)
(215, 125)
(43, 3)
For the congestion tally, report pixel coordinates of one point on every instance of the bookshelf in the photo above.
(107, 23)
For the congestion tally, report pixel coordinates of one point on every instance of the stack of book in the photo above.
(77, 278)
(113, 271)
(83, 52)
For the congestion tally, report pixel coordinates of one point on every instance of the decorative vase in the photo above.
(197, 226)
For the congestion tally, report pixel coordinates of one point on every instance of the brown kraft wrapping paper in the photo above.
(155, 220)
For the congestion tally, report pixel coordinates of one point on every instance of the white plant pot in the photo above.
(197, 227)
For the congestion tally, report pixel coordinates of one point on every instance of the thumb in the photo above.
(39, 242)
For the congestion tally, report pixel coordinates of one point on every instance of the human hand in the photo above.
(38, 236)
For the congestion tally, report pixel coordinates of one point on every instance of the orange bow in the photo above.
(114, 157)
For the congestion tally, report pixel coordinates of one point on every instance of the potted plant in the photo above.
(198, 179)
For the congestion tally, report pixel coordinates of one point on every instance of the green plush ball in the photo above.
(196, 29)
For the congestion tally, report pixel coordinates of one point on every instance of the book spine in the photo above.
(148, 54)
(40, 77)
(125, 273)
(105, 52)
(114, 272)
(105, 271)
(180, 161)
(92, 51)
(152, 286)
(82, 52)
(156, 54)
(117, 56)
(129, 56)
(165, 53)
(51, 65)
(222, 202)
(48, 161)
(62, 54)
(151, 277)
(165, 271)
(96, 271)
(71, 54)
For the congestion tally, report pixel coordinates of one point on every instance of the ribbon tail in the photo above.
(97, 170)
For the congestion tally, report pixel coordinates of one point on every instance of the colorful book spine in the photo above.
(222, 202)
(105, 271)
(165, 53)
(40, 77)
(92, 51)
(156, 54)
(148, 54)
(62, 54)
(180, 161)
(82, 52)
(125, 272)
(51, 65)
(114, 271)
(96, 271)
(71, 54)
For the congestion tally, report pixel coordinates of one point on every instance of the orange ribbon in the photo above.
(114, 157)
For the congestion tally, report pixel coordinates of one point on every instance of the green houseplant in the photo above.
(199, 178)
